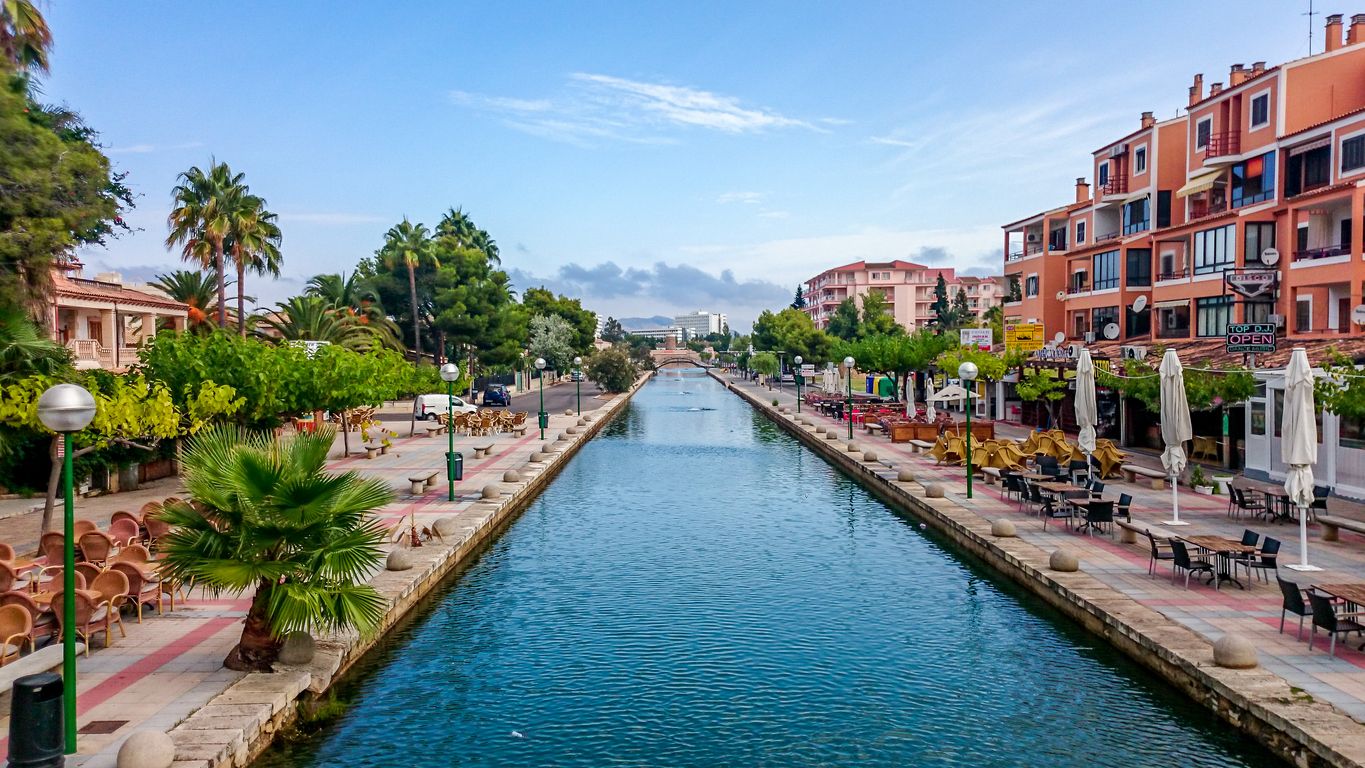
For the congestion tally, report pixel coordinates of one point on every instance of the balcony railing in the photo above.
(1106, 238)
(1117, 185)
(1174, 274)
(1225, 143)
(1033, 248)
(1074, 289)
(1322, 253)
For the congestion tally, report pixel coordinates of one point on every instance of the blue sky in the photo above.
(649, 157)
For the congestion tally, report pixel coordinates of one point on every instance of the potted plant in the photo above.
(1221, 484)
(1199, 482)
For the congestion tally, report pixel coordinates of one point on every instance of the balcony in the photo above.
(1322, 253)
(1077, 288)
(1106, 238)
(1223, 144)
(1014, 255)
(1117, 185)
(1172, 274)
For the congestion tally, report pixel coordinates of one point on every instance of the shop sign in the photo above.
(976, 337)
(1026, 337)
(1252, 283)
(1250, 337)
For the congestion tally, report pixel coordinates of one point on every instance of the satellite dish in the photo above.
(1059, 338)
(1140, 303)
(1270, 257)
(1061, 295)
(1358, 314)
(1111, 331)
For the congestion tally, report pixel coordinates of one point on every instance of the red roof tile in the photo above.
(94, 290)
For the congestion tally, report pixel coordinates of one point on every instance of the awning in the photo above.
(1325, 141)
(1199, 183)
(1171, 304)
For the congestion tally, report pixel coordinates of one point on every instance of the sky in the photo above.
(648, 158)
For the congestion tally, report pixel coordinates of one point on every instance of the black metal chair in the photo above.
(1182, 560)
(1125, 507)
(1293, 603)
(1262, 561)
(1161, 550)
(1097, 489)
(1320, 494)
(1075, 468)
(1037, 498)
(1097, 515)
(1326, 616)
(1052, 509)
(1012, 484)
(1242, 503)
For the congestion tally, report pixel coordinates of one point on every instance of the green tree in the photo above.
(253, 241)
(457, 226)
(195, 289)
(539, 301)
(844, 323)
(877, 320)
(612, 330)
(475, 309)
(612, 369)
(1204, 390)
(942, 312)
(962, 313)
(990, 366)
(800, 301)
(313, 318)
(897, 355)
(765, 363)
(408, 245)
(26, 351)
(24, 36)
(272, 520)
(553, 339)
(1042, 385)
(995, 319)
(203, 205)
(793, 332)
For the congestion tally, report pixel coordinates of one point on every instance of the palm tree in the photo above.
(268, 516)
(355, 295)
(201, 220)
(194, 289)
(24, 35)
(24, 349)
(313, 318)
(457, 225)
(254, 242)
(409, 244)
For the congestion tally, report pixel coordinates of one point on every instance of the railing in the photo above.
(1322, 253)
(1117, 185)
(1074, 289)
(1106, 238)
(1033, 248)
(1199, 209)
(1174, 274)
(1014, 255)
(1225, 143)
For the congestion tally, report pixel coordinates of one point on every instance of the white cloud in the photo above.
(748, 198)
(685, 106)
(147, 149)
(775, 214)
(327, 217)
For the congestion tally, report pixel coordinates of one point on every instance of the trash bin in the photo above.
(454, 466)
(544, 419)
(36, 735)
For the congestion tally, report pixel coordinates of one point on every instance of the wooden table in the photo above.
(1037, 477)
(1351, 592)
(1224, 548)
(1060, 487)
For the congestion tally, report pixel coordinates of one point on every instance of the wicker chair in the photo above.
(83, 527)
(140, 591)
(92, 617)
(42, 624)
(96, 546)
(112, 587)
(124, 532)
(15, 627)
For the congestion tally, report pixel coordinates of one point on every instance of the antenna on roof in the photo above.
(1310, 16)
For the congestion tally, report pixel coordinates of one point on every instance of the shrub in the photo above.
(612, 370)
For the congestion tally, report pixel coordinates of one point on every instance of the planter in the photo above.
(1206, 490)
(1224, 482)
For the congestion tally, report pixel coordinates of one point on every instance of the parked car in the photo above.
(430, 407)
(496, 394)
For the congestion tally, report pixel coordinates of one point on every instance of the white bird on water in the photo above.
(517, 735)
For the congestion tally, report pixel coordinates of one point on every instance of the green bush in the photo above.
(612, 370)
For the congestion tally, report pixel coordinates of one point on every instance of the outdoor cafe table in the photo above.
(1224, 548)
(1037, 477)
(1352, 592)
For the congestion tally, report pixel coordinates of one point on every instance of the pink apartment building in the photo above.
(907, 287)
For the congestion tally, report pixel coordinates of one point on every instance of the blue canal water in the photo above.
(697, 589)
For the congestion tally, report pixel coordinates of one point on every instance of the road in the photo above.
(557, 399)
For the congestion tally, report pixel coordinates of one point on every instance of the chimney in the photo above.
(1215, 89)
(1333, 32)
(1148, 120)
(1197, 90)
(1356, 34)
(1257, 68)
(1082, 190)
(1236, 76)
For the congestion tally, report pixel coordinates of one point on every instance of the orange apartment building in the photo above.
(907, 287)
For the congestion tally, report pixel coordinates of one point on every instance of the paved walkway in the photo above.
(1253, 612)
(171, 665)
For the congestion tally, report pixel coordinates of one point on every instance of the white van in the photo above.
(430, 407)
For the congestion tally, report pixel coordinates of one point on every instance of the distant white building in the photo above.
(659, 333)
(701, 323)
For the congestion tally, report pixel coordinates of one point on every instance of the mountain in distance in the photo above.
(645, 323)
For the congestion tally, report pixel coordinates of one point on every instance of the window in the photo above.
(881, 275)
(1168, 270)
(1257, 312)
(1351, 432)
(1078, 281)
(1254, 180)
(1202, 130)
(1104, 316)
(1078, 322)
(1140, 160)
(1056, 239)
(1106, 270)
(1139, 323)
(1104, 173)
(1345, 241)
(1258, 417)
(1260, 110)
(1301, 238)
(1163, 208)
(1080, 232)
(1308, 168)
(1138, 267)
(1279, 415)
(1031, 285)
(1353, 153)
(1214, 250)
(1259, 236)
(1303, 314)
(1213, 315)
(1175, 322)
(1136, 215)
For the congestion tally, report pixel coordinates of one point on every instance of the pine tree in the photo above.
(800, 302)
(962, 314)
(942, 313)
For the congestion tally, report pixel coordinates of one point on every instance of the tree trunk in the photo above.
(241, 293)
(258, 647)
(53, 479)
(345, 437)
(416, 325)
(222, 283)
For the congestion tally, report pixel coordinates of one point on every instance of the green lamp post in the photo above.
(64, 409)
(848, 405)
(578, 384)
(796, 361)
(967, 372)
(543, 418)
(449, 374)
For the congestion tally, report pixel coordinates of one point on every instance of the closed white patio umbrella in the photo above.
(1299, 444)
(1086, 412)
(929, 412)
(1175, 426)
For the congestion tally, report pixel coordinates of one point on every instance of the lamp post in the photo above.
(848, 405)
(542, 418)
(967, 372)
(449, 373)
(797, 362)
(578, 384)
(64, 409)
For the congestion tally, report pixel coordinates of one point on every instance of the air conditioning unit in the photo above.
(1033, 237)
(1076, 350)
(1278, 320)
(1118, 150)
(1132, 352)
(1089, 337)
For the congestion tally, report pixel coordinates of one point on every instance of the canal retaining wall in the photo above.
(238, 724)
(1304, 731)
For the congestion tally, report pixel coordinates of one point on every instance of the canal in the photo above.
(697, 589)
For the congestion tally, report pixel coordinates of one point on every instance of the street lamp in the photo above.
(797, 362)
(454, 461)
(543, 418)
(64, 409)
(848, 363)
(967, 372)
(578, 383)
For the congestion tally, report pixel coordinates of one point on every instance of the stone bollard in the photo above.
(536, 458)
(870, 457)
(831, 435)
(582, 422)
(852, 448)
(568, 411)
(491, 491)
(445, 526)
(1003, 529)
(399, 560)
(547, 448)
(1064, 560)
(905, 476)
(298, 648)
(933, 491)
(1234, 652)
(146, 749)
(571, 431)
(511, 476)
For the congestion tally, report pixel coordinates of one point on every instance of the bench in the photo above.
(1332, 525)
(920, 446)
(992, 474)
(1131, 472)
(375, 449)
(420, 481)
(483, 450)
(519, 429)
(1131, 531)
(434, 429)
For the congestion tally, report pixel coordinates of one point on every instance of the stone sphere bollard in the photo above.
(511, 476)
(582, 422)
(399, 560)
(568, 411)
(536, 458)
(298, 648)
(1003, 529)
(1064, 560)
(852, 448)
(1234, 652)
(831, 435)
(870, 457)
(933, 490)
(146, 749)
(906, 476)
(445, 526)
(547, 448)
(571, 431)
(491, 491)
